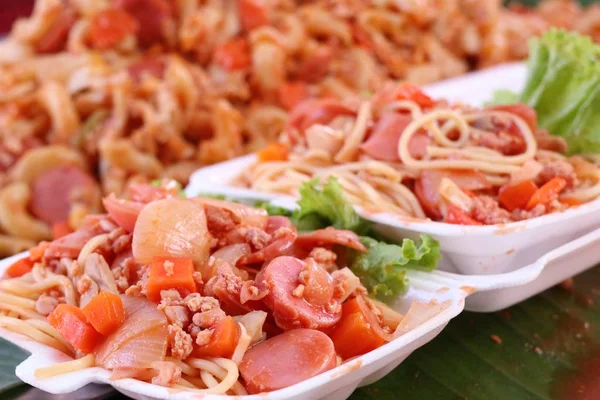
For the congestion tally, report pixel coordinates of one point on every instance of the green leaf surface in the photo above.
(10, 357)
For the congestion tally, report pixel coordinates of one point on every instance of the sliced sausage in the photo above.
(321, 111)
(55, 38)
(123, 212)
(428, 183)
(290, 307)
(276, 222)
(54, 191)
(280, 245)
(153, 66)
(382, 144)
(151, 15)
(331, 236)
(287, 359)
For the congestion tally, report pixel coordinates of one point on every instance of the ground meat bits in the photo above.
(488, 211)
(561, 169)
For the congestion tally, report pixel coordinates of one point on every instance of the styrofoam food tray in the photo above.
(483, 293)
(536, 259)
(338, 383)
(474, 250)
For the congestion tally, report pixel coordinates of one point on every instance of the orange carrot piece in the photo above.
(354, 335)
(72, 325)
(548, 192)
(253, 13)
(570, 201)
(455, 215)
(273, 152)
(170, 273)
(36, 253)
(292, 93)
(109, 27)
(61, 229)
(223, 341)
(20, 268)
(517, 196)
(233, 55)
(105, 312)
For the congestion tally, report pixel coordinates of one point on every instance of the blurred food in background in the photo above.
(97, 94)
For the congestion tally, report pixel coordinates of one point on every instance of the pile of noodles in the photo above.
(165, 101)
(338, 145)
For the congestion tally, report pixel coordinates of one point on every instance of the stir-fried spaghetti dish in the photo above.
(402, 152)
(96, 94)
(212, 296)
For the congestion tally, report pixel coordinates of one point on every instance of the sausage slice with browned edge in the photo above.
(287, 359)
(53, 192)
(296, 302)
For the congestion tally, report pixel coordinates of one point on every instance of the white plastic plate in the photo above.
(485, 293)
(473, 250)
(336, 384)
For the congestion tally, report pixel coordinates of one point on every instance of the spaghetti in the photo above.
(241, 309)
(150, 89)
(392, 152)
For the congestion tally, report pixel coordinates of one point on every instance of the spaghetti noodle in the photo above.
(96, 95)
(241, 309)
(392, 152)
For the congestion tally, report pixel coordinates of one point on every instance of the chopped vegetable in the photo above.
(109, 27)
(170, 273)
(61, 229)
(354, 334)
(73, 326)
(325, 205)
(105, 312)
(290, 94)
(455, 215)
(517, 196)
(222, 342)
(548, 192)
(233, 55)
(563, 85)
(383, 266)
(273, 152)
(20, 267)
(36, 253)
(501, 97)
(90, 125)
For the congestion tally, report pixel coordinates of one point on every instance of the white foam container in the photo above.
(336, 384)
(483, 293)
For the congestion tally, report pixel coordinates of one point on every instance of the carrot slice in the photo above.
(548, 192)
(455, 215)
(354, 334)
(36, 253)
(73, 326)
(273, 152)
(170, 273)
(517, 196)
(109, 27)
(570, 201)
(223, 341)
(253, 13)
(292, 93)
(20, 268)
(61, 229)
(233, 55)
(105, 312)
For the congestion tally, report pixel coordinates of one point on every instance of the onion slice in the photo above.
(141, 340)
(172, 227)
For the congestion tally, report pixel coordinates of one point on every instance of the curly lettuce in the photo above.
(563, 86)
(382, 268)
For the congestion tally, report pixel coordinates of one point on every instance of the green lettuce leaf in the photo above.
(325, 205)
(382, 268)
(503, 96)
(563, 86)
(273, 210)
